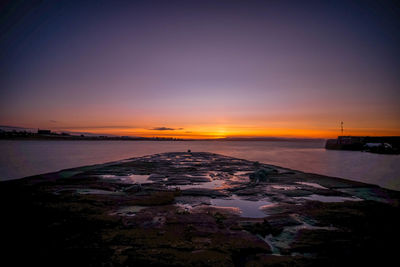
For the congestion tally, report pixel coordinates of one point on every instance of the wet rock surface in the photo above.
(201, 209)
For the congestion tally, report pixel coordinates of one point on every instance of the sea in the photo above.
(21, 158)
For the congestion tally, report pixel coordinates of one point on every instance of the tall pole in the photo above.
(341, 124)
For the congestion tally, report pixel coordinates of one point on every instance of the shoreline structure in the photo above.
(374, 144)
(180, 209)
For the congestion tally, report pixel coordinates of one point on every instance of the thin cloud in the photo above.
(101, 127)
(165, 129)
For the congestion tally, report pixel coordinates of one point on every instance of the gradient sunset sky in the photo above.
(201, 69)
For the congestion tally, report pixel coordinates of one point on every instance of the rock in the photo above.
(203, 192)
(261, 229)
(112, 223)
(133, 188)
(261, 174)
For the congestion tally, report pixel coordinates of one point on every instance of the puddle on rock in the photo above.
(285, 187)
(272, 243)
(315, 185)
(217, 209)
(288, 235)
(248, 208)
(329, 198)
(192, 201)
(184, 208)
(129, 179)
(96, 192)
(128, 211)
(215, 184)
(240, 176)
(242, 173)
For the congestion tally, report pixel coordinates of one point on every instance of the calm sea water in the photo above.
(24, 158)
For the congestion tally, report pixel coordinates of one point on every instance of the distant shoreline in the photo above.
(26, 135)
(91, 138)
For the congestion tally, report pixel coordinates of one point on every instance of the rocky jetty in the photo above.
(196, 209)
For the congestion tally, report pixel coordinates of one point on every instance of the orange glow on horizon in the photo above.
(219, 132)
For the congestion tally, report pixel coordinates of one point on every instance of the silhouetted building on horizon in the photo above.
(43, 131)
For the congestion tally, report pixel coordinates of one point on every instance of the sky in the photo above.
(201, 69)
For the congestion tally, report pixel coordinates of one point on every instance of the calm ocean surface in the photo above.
(24, 158)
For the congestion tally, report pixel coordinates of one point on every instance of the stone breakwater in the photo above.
(202, 209)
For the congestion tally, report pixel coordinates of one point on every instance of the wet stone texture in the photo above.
(196, 209)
